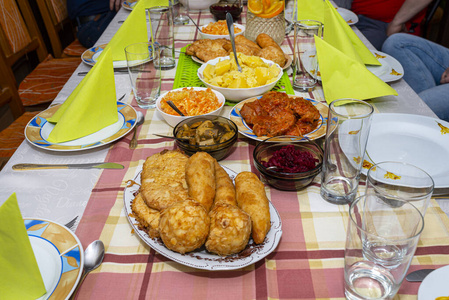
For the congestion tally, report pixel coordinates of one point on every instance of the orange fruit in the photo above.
(255, 6)
(274, 9)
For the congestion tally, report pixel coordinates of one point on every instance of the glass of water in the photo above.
(380, 243)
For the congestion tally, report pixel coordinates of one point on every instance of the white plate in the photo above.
(38, 130)
(91, 55)
(59, 255)
(349, 16)
(247, 131)
(129, 5)
(203, 259)
(414, 139)
(389, 70)
(435, 285)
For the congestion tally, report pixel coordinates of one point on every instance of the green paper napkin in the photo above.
(133, 30)
(311, 10)
(340, 35)
(20, 277)
(344, 77)
(90, 107)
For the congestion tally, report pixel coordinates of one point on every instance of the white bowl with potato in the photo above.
(206, 35)
(173, 120)
(238, 90)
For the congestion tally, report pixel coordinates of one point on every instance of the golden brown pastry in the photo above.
(148, 218)
(230, 229)
(242, 49)
(163, 180)
(275, 54)
(240, 39)
(224, 188)
(184, 226)
(264, 40)
(207, 49)
(200, 177)
(251, 198)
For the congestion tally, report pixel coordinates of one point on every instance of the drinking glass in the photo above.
(347, 131)
(162, 34)
(390, 181)
(305, 63)
(180, 11)
(380, 243)
(144, 74)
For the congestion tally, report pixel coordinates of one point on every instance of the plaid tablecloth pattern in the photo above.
(307, 264)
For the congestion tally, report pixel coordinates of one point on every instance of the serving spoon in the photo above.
(93, 257)
(199, 29)
(175, 108)
(230, 24)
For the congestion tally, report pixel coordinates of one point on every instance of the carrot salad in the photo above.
(191, 102)
(219, 28)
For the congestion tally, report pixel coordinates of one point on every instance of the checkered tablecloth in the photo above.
(307, 264)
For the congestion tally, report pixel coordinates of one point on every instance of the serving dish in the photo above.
(290, 181)
(173, 120)
(285, 67)
(236, 95)
(59, 255)
(217, 151)
(224, 36)
(247, 131)
(201, 259)
(38, 130)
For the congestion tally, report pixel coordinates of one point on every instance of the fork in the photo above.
(71, 223)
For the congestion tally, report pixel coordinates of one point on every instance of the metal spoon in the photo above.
(171, 137)
(199, 29)
(172, 105)
(93, 257)
(140, 119)
(230, 24)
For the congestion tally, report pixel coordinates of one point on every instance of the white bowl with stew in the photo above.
(173, 120)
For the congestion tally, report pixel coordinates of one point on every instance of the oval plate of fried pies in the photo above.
(200, 214)
(206, 49)
(276, 113)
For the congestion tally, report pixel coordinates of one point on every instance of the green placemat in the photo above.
(186, 76)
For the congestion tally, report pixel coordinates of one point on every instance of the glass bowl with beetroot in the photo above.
(288, 163)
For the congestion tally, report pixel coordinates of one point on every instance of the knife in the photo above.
(418, 275)
(22, 167)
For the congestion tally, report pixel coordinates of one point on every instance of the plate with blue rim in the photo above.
(38, 130)
(129, 5)
(247, 130)
(91, 55)
(59, 255)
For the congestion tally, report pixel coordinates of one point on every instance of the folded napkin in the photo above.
(340, 35)
(90, 107)
(345, 77)
(311, 10)
(20, 277)
(133, 30)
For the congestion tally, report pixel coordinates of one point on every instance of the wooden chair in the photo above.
(13, 135)
(60, 28)
(20, 39)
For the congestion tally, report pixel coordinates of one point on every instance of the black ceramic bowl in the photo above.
(220, 9)
(283, 180)
(218, 150)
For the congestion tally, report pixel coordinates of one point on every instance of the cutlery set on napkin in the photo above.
(342, 56)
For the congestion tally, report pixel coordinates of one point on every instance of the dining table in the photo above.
(308, 262)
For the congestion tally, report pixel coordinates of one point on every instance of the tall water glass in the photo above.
(162, 34)
(391, 181)
(380, 243)
(305, 63)
(144, 74)
(347, 131)
(180, 11)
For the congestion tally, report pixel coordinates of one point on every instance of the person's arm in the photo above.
(407, 11)
(115, 4)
